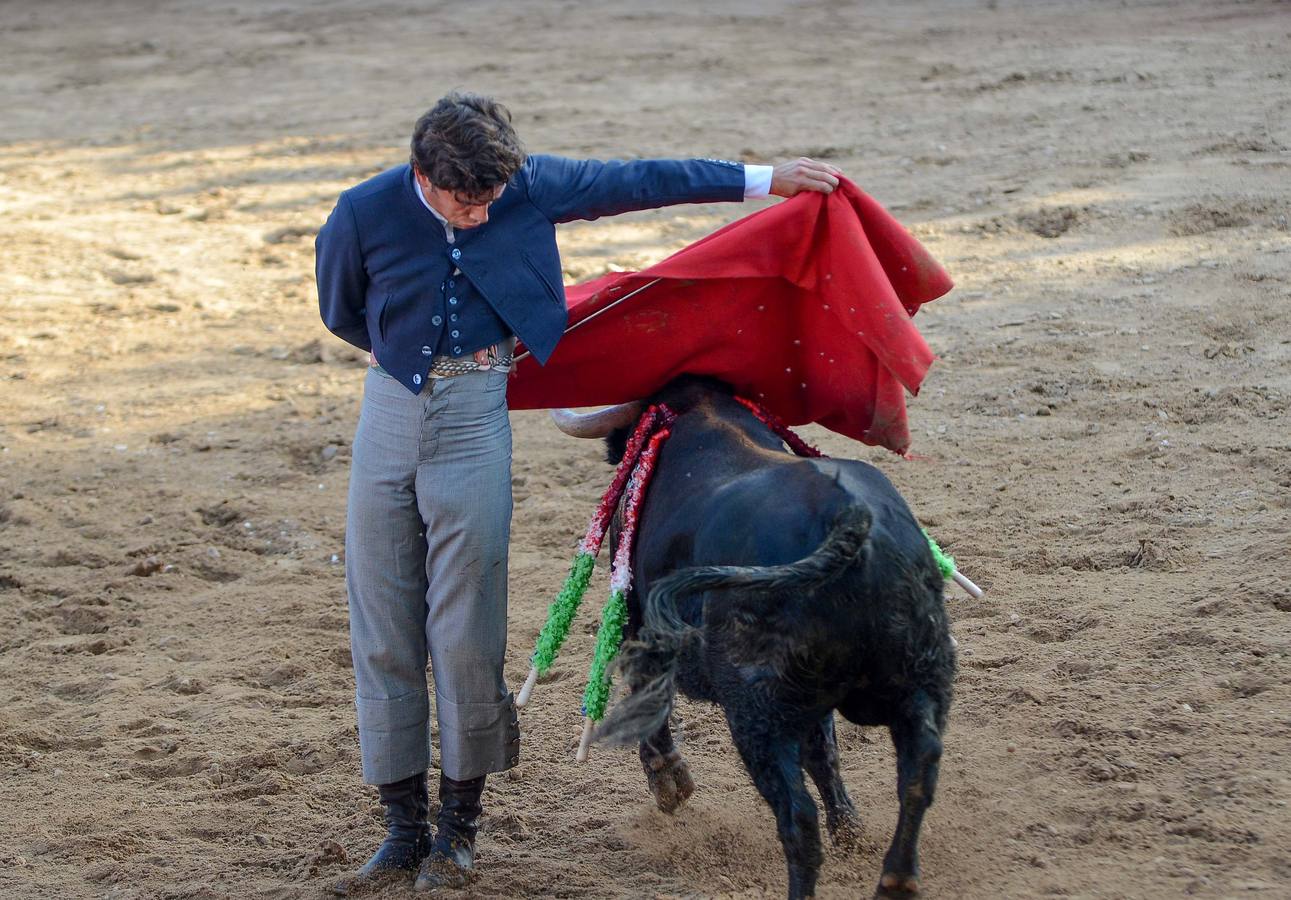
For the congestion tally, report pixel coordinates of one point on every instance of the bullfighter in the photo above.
(435, 268)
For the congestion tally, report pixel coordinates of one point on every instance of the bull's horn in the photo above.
(596, 424)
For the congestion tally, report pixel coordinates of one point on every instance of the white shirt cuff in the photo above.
(757, 181)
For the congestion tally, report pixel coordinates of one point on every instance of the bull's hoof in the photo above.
(669, 780)
(845, 830)
(897, 887)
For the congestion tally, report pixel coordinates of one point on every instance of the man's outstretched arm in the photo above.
(568, 189)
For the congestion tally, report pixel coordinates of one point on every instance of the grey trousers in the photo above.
(426, 534)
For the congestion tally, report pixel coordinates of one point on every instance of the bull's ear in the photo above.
(599, 423)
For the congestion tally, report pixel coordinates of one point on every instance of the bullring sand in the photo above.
(1103, 441)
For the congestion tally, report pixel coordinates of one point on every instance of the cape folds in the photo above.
(804, 307)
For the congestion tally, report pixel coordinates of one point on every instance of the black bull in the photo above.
(782, 589)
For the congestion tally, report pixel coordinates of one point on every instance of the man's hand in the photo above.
(803, 174)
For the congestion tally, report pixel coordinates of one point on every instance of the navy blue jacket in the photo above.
(385, 269)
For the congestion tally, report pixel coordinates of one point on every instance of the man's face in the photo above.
(460, 211)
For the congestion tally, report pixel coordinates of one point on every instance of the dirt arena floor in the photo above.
(1104, 441)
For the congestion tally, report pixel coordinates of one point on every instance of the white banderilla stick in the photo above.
(585, 742)
(523, 697)
(963, 581)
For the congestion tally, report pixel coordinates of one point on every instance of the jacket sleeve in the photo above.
(568, 189)
(342, 279)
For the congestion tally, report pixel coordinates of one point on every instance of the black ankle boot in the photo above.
(407, 815)
(451, 862)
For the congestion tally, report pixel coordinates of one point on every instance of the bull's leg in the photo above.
(666, 772)
(918, 750)
(820, 759)
(773, 760)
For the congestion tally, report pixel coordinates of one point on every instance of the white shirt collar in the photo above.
(448, 229)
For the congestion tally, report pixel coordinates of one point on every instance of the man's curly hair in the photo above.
(465, 144)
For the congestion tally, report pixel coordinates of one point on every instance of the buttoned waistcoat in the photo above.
(384, 265)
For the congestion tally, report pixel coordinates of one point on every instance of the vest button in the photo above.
(452, 301)
(455, 333)
(436, 320)
(456, 254)
(416, 379)
(457, 350)
(452, 317)
(426, 351)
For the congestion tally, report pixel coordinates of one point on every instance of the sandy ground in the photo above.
(1104, 439)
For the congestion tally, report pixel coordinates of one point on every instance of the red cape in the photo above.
(804, 306)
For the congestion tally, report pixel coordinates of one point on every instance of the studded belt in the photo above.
(448, 366)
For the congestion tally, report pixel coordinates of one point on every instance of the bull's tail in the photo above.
(649, 664)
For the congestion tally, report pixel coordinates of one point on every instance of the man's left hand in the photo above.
(804, 174)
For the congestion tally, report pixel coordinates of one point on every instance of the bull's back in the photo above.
(772, 513)
(769, 515)
(864, 627)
